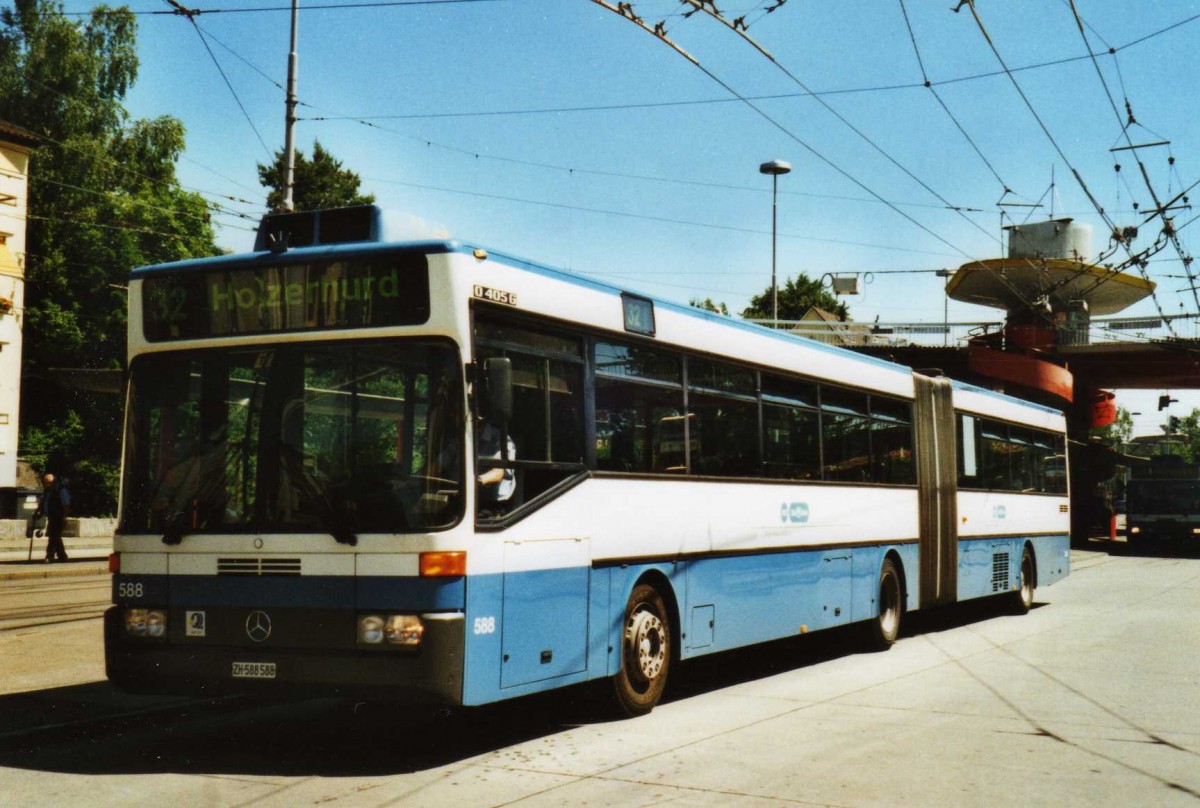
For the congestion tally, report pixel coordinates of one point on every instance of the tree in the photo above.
(796, 296)
(708, 305)
(1189, 427)
(319, 183)
(103, 199)
(1118, 432)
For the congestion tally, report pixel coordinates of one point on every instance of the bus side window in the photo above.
(722, 419)
(892, 442)
(639, 410)
(845, 435)
(994, 453)
(791, 429)
(545, 434)
(968, 455)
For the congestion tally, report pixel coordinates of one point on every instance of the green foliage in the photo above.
(1116, 433)
(1188, 427)
(94, 486)
(796, 296)
(708, 305)
(103, 199)
(320, 183)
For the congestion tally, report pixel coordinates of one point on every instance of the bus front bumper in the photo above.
(434, 673)
(1164, 530)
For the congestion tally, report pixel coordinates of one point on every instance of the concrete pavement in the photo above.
(85, 556)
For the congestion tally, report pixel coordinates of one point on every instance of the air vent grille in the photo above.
(1000, 572)
(1064, 508)
(258, 566)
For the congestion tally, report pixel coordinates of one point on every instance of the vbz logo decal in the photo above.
(999, 512)
(794, 512)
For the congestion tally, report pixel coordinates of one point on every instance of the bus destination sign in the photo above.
(349, 293)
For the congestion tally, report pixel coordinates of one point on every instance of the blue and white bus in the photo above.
(423, 469)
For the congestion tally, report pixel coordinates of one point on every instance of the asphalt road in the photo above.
(1091, 699)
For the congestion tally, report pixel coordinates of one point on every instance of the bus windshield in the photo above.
(341, 438)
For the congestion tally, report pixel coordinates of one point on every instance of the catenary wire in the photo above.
(1054, 143)
(216, 62)
(1171, 235)
(663, 219)
(712, 11)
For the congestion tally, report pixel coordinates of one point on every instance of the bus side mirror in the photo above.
(497, 373)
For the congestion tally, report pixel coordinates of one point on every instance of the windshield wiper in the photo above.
(332, 517)
(175, 529)
(201, 505)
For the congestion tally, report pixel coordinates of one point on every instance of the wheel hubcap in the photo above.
(646, 637)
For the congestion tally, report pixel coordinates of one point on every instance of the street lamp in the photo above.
(774, 168)
(945, 273)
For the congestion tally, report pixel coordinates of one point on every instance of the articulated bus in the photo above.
(311, 500)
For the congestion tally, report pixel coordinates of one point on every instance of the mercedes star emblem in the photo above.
(258, 626)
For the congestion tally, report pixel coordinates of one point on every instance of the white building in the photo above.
(15, 144)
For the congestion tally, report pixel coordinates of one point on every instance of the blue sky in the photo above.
(659, 190)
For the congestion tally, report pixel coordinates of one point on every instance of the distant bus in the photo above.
(309, 496)
(1162, 501)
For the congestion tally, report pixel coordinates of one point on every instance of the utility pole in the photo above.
(289, 136)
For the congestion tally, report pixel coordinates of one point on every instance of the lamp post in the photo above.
(775, 168)
(945, 273)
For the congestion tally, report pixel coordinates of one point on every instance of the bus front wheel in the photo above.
(645, 652)
(1022, 600)
(885, 628)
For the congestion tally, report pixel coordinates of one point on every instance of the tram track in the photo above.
(50, 623)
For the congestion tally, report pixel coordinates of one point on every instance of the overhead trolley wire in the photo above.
(1168, 228)
(954, 119)
(190, 15)
(666, 220)
(318, 7)
(624, 11)
(1135, 260)
(110, 161)
(701, 5)
(240, 58)
(659, 32)
(766, 97)
(711, 10)
(140, 203)
(134, 172)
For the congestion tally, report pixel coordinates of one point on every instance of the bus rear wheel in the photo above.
(885, 628)
(1022, 600)
(645, 652)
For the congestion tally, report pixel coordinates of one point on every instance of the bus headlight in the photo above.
(1135, 529)
(404, 629)
(146, 623)
(156, 623)
(370, 629)
(393, 629)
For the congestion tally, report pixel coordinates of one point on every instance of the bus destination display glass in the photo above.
(350, 293)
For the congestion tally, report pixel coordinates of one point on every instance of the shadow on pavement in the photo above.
(331, 737)
(334, 737)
